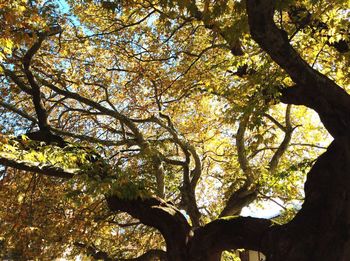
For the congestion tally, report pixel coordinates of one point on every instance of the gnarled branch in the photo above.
(228, 233)
(161, 215)
(312, 89)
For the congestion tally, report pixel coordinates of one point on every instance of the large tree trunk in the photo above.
(321, 230)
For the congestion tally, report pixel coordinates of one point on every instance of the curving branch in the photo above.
(161, 215)
(239, 199)
(113, 113)
(288, 131)
(48, 170)
(190, 177)
(312, 88)
(44, 133)
(40, 110)
(228, 233)
(241, 150)
(247, 193)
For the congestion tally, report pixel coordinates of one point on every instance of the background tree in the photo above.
(140, 129)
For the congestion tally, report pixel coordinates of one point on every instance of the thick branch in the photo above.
(314, 89)
(228, 233)
(93, 252)
(42, 169)
(196, 172)
(189, 185)
(159, 173)
(284, 144)
(322, 223)
(35, 88)
(157, 213)
(241, 150)
(238, 200)
(246, 193)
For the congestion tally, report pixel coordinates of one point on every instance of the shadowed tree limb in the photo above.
(153, 211)
(207, 242)
(35, 88)
(150, 255)
(322, 223)
(171, 223)
(248, 192)
(312, 89)
(157, 213)
(228, 233)
(320, 229)
(190, 176)
(67, 133)
(288, 130)
(239, 199)
(44, 134)
(48, 170)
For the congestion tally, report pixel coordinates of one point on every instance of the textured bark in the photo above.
(321, 230)
(47, 170)
(189, 244)
(238, 200)
(312, 89)
(227, 233)
(163, 216)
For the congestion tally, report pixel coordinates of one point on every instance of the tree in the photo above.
(143, 128)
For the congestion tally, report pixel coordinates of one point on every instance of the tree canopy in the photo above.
(139, 130)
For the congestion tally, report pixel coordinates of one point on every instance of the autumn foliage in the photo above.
(140, 130)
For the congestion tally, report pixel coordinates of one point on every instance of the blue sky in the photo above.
(268, 209)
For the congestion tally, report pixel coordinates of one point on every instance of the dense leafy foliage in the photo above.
(143, 99)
